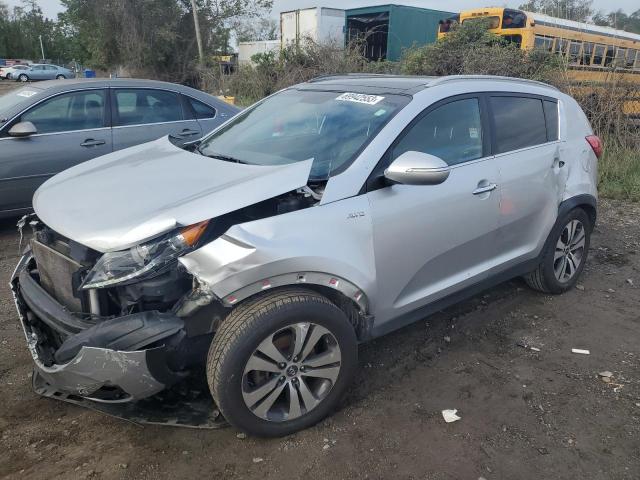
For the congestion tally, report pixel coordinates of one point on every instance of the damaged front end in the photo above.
(119, 327)
(116, 344)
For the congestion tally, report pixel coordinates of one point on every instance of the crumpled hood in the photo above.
(123, 198)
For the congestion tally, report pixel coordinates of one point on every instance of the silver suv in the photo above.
(325, 215)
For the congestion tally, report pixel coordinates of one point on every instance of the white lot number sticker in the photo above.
(360, 98)
(26, 93)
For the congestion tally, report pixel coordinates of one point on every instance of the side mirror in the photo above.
(23, 129)
(417, 168)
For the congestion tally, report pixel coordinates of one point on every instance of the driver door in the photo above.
(433, 240)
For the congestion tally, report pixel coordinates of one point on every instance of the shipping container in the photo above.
(320, 24)
(386, 30)
(246, 50)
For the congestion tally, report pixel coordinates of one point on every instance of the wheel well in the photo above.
(590, 211)
(357, 316)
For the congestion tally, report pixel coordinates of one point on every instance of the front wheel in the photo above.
(23, 78)
(281, 362)
(565, 254)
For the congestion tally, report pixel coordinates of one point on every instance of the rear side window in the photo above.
(551, 116)
(201, 110)
(452, 132)
(139, 106)
(519, 123)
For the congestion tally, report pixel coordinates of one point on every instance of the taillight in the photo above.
(596, 144)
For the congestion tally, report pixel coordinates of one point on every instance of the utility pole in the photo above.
(41, 47)
(196, 24)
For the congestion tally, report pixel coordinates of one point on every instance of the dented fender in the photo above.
(291, 249)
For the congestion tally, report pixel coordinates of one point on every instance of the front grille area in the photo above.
(59, 275)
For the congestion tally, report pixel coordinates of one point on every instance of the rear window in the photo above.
(201, 110)
(519, 123)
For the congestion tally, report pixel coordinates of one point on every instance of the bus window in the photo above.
(544, 43)
(446, 25)
(587, 52)
(574, 51)
(609, 55)
(515, 39)
(494, 22)
(621, 58)
(513, 19)
(631, 57)
(598, 54)
(561, 45)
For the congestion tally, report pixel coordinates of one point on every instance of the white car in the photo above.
(12, 72)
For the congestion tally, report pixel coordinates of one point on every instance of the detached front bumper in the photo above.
(116, 360)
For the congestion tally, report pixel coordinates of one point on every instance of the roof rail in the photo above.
(363, 75)
(493, 78)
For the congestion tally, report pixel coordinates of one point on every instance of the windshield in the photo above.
(296, 125)
(11, 99)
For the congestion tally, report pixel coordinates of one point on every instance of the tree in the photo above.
(471, 49)
(578, 10)
(619, 20)
(153, 37)
(254, 30)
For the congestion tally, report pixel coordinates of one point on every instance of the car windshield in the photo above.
(296, 125)
(13, 98)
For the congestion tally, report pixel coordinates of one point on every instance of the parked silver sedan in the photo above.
(50, 126)
(42, 71)
(12, 72)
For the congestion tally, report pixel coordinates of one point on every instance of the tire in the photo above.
(23, 78)
(552, 275)
(259, 402)
(60, 77)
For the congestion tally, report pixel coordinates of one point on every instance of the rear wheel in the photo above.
(60, 77)
(281, 362)
(564, 256)
(23, 78)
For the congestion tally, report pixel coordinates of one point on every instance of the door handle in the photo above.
(90, 142)
(485, 189)
(187, 133)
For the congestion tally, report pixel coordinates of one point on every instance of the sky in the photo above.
(52, 7)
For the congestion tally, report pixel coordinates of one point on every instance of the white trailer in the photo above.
(320, 24)
(246, 50)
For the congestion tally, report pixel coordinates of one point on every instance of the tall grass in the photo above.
(619, 171)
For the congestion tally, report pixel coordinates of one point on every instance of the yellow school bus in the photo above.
(595, 55)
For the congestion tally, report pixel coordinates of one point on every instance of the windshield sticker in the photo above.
(360, 98)
(380, 112)
(473, 133)
(26, 93)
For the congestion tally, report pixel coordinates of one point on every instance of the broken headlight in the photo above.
(144, 260)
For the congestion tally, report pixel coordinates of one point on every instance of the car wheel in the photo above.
(23, 78)
(281, 362)
(8, 77)
(60, 77)
(564, 256)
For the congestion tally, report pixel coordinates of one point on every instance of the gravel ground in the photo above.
(525, 414)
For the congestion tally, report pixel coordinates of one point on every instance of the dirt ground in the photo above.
(525, 414)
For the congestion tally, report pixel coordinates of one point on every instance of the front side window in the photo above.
(452, 132)
(519, 123)
(296, 125)
(143, 106)
(68, 112)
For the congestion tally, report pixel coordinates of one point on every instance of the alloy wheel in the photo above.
(569, 251)
(291, 372)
